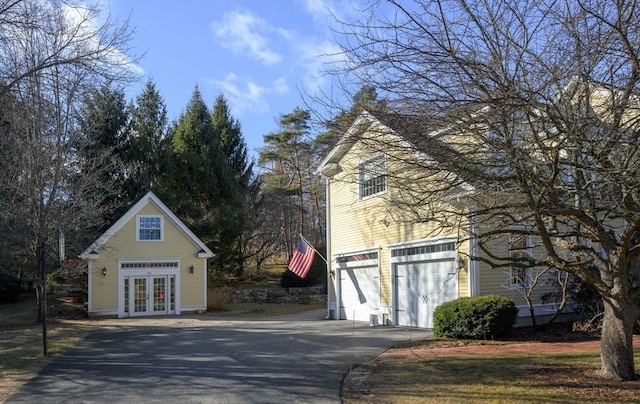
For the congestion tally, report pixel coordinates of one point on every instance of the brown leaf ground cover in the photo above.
(553, 365)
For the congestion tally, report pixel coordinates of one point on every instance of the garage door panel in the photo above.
(421, 287)
(360, 290)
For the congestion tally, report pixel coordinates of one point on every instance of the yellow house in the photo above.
(392, 271)
(147, 263)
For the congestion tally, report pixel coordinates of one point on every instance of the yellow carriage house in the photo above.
(147, 263)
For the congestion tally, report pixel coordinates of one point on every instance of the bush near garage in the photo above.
(475, 317)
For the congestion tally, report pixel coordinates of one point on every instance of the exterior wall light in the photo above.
(104, 271)
(191, 269)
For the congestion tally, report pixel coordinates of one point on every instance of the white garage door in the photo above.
(420, 287)
(360, 291)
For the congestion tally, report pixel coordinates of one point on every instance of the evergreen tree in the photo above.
(190, 183)
(103, 147)
(366, 98)
(287, 159)
(236, 178)
(147, 130)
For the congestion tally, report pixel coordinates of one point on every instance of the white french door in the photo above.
(149, 295)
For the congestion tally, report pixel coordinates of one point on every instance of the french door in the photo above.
(149, 295)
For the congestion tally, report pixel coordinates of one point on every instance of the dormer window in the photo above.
(373, 177)
(149, 228)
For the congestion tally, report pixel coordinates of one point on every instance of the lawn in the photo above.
(21, 346)
(512, 378)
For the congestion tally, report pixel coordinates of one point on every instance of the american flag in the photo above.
(302, 258)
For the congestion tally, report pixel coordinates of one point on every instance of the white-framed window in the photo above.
(149, 228)
(373, 177)
(520, 246)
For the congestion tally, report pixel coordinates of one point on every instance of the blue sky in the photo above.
(260, 54)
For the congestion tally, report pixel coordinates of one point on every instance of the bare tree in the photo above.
(52, 54)
(524, 117)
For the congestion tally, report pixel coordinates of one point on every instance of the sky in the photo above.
(261, 55)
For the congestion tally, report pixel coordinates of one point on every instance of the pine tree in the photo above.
(103, 147)
(237, 190)
(146, 132)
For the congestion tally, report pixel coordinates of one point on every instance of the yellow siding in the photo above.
(373, 222)
(496, 281)
(124, 245)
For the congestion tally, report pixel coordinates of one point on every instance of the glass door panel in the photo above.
(159, 294)
(140, 295)
(126, 295)
(172, 294)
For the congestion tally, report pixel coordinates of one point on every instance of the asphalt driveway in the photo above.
(213, 360)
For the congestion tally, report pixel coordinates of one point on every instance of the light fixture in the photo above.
(104, 271)
(191, 269)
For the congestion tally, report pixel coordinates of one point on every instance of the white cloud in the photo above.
(328, 11)
(245, 33)
(85, 27)
(248, 96)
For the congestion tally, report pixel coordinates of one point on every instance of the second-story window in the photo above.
(373, 177)
(149, 228)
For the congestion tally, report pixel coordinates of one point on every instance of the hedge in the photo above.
(476, 317)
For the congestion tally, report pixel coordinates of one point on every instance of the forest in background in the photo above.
(76, 154)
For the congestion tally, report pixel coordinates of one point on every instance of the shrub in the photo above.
(218, 300)
(476, 317)
(9, 288)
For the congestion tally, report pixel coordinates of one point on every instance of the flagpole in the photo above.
(328, 317)
(314, 249)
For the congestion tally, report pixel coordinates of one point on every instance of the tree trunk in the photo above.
(617, 341)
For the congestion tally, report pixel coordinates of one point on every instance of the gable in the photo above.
(128, 228)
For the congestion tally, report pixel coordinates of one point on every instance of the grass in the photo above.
(21, 346)
(513, 378)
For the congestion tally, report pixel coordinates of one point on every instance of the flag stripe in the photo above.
(302, 258)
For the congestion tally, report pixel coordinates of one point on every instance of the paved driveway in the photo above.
(208, 359)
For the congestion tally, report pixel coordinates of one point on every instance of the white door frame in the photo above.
(135, 268)
(338, 266)
(419, 258)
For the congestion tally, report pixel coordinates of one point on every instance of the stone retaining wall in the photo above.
(291, 295)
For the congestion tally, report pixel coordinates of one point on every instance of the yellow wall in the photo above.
(495, 281)
(373, 222)
(124, 245)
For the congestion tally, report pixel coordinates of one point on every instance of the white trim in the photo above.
(147, 272)
(473, 266)
(90, 287)
(204, 283)
(543, 309)
(423, 241)
(194, 308)
(361, 174)
(102, 313)
(328, 243)
(150, 197)
(426, 256)
(357, 264)
(138, 217)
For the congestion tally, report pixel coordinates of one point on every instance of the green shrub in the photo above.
(10, 288)
(476, 317)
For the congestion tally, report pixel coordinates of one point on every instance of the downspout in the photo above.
(328, 242)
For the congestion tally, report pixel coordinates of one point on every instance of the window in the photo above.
(358, 257)
(519, 248)
(149, 228)
(373, 177)
(427, 249)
